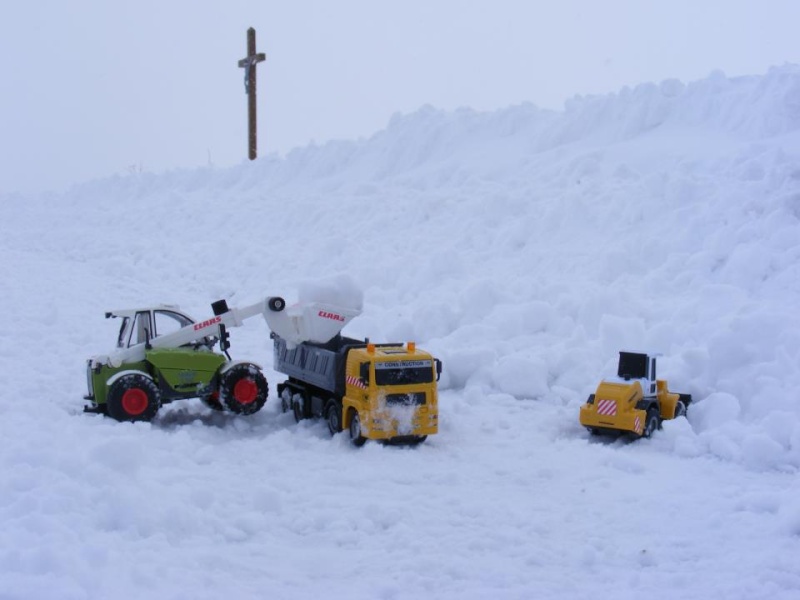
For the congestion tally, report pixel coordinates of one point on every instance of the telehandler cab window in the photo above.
(123, 332)
(142, 328)
(168, 321)
(403, 372)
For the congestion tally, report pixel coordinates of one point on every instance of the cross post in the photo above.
(248, 63)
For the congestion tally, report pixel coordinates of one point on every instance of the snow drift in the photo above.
(524, 248)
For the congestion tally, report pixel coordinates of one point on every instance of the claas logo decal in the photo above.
(214, 321)
(332, 316)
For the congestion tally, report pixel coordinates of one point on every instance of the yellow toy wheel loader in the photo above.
(633, 403)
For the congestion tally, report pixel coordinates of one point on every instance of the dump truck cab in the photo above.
(373, 391)
(390, 393)
(634, 402)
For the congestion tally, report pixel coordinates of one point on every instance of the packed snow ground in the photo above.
(525, 248)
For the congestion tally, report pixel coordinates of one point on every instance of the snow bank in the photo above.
(524, 248)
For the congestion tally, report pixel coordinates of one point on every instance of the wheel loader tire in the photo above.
(276, 304)
(243, 389)
(650, 423)
(211, 400)
(133, 397)
(680, 410)
(356, 436)
(333, 415)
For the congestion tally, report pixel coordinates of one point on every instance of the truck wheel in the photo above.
(243, 389)
(680, 410)
(211, 400)
(133, 397)
(355, 430)
(299, 407)
(333, 414)
(650, 423)
(286, 400)
(276, 304)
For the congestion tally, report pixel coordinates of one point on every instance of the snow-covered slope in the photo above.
(525, 248)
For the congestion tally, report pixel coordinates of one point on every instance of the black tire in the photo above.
(417, 440)
(680, 410)
(133, 397)
(211, 400)
(299, 403)
(333, 415)
(593, 430)
(243, 389)
(650, 423)
(286, 399)
(276, 304)
(355, 430)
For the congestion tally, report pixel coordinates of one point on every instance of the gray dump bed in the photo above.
(320, 365)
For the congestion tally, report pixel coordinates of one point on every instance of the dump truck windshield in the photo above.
(403, 372)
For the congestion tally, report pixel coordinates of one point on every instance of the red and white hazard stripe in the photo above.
(607, 408)
(637, 423)
(356, 381)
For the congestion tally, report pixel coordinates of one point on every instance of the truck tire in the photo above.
(650, 423)
(286, 399)
(299, 404)
(276, 304)
(333, 415)
(133, 397)
(243, 389)
(355, 430)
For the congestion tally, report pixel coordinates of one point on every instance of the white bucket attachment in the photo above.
(309, 322)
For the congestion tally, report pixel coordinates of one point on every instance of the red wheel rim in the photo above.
(245, 391)
(134, 401)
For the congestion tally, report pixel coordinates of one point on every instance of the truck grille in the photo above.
(412, 399)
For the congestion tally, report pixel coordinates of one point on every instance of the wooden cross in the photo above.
(248, 63)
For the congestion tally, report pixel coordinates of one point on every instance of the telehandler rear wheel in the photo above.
(243, 389)
(133, 397)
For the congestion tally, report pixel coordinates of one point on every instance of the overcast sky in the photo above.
(92, 88)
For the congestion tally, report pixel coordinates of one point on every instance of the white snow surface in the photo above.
(525, 248)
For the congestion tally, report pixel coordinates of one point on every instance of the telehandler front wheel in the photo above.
(133, 397)
(243, 389)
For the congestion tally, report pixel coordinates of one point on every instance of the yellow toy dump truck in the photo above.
(373, 391)
(635, 402)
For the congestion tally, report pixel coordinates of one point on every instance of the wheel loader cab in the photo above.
(641, 367)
